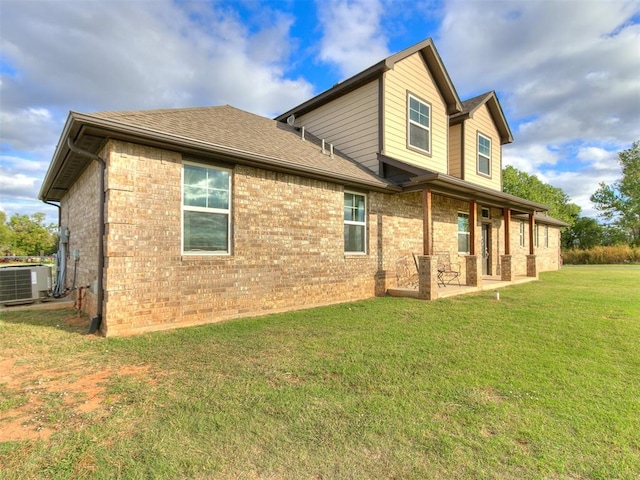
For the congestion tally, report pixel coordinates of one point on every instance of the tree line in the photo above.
(619, 204)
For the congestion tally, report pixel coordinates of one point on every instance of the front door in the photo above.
(486, 249)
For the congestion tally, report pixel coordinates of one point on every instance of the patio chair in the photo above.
(447, 272)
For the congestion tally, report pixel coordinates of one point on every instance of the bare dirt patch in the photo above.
(45, 401)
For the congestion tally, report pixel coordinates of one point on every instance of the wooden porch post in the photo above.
(532, 224)
(532, 270)
(427, 243)
(506, 213)
(507, 273)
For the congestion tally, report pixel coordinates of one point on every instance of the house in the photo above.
(188, 216)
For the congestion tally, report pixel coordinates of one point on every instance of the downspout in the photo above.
(97, 320)
(59, 213)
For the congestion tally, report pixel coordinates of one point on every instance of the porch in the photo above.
(489, 282)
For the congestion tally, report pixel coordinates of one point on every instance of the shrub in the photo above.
(602, 255)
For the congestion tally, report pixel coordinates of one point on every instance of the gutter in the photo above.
(97, 320)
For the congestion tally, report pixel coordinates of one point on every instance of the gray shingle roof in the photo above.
(246, 132)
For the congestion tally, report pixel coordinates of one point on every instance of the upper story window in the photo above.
(484, 155)
(419, 134)
(355, 223)
(463, 232)
(206, 209)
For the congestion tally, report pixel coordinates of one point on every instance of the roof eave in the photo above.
(429, 53)
(82, 124)
(339, 89)
(456, 187)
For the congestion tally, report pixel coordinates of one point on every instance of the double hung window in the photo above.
(355, 223)
(419, 127)
(484, 155)
(546, 236)
(206, 209)
(463, 233)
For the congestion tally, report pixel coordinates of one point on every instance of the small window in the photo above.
(522, 237)
(355, 223)
(463, 233)
(486, 213)
(535, 235)
(546, 236)
(484, 155)
(419, 134)
(206, 209)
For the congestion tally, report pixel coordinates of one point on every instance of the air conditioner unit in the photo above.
(24, 284)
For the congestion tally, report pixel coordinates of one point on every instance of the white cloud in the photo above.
(352, 37)
(568, 77)
(125, 55)
(92, 56)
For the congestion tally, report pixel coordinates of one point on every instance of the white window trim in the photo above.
(484, 156)
(419, 125)
(536, 232)
(353, 222)
(226, 211)
(522, 234)
(467, 233)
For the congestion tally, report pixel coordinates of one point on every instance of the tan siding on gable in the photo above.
(481, 122)
(455, 150)
(350, 123)
(412, 76)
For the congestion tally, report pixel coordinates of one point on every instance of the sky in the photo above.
(566, 72)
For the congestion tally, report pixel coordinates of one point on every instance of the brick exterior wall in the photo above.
(287, 243)
(79, 213)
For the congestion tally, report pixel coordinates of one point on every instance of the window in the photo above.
(546, 236)
(484, 154)
(419, 124)
(355, 223)
(463, 233)
(206, 211)
(535, 235)
(522, 237)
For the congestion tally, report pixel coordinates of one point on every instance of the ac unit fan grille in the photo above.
(15, 285)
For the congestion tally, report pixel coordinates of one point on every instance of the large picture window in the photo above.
(419, 134)
(484, 155)
(355, 223)
(463, 233)
(206, 209)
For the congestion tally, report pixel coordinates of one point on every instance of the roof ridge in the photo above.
(123, 113)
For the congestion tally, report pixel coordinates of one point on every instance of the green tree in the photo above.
(620, 201)
(30, 235)
(5, 234)
(585, 233)
(521, 184)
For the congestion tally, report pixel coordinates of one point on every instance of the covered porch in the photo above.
(489, 283)
(486, 264)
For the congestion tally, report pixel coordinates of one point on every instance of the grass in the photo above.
(544, 383)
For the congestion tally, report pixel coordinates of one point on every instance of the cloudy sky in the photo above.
(567, 72)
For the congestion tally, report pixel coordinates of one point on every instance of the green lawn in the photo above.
(544, 383)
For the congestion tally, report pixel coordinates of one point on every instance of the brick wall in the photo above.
(79, 213)
(287, 243)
